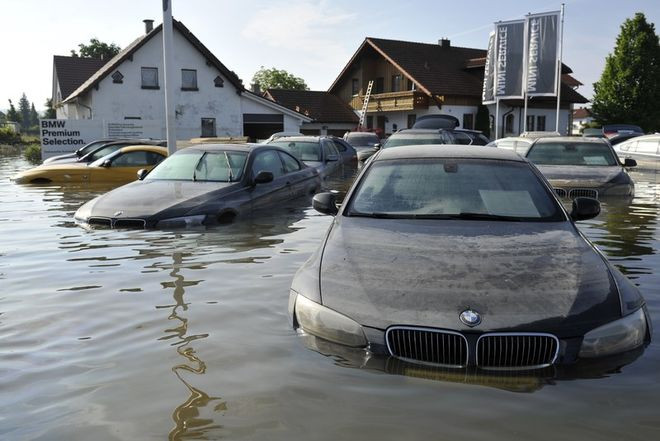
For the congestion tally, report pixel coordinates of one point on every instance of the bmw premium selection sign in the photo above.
(510, 45)
(488, 95)
(542, 54)
(59, 136)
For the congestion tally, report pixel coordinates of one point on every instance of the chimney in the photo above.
(148, 26)
(445, 42)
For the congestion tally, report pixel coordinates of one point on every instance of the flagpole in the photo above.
(525, 69)
(497, 118)
(168, 60)
(561, 44)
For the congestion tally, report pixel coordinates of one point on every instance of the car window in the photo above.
(268, 161)
(330, 150)
(306, 151)
(220, 166)
(339, 146)
(130, 159)
(362, 139)
(290, 163)
(647, 146)
(571, 153)
(104, 151)
(399, 139)
(453, 187)
(462, 138)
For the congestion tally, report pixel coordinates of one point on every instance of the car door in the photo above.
(332, 163)
(299, 182)
(269, 193)
(123, 168)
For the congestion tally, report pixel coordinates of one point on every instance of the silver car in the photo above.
(644, 149)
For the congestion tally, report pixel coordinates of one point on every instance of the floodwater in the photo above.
(141, 335)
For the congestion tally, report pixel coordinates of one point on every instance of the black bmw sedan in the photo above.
(204, 184)
(464, 258)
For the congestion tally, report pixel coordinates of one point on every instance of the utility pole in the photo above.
(168, 64)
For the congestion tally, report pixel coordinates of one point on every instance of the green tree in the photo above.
(24, 111)
(12, 114)
(629, 88)
(50, 110)
(3, 117)
(34, 116)
(277, 79)
(96, 49)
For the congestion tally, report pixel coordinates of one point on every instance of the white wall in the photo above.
(518, 112)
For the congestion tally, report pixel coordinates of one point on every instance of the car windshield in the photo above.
(103, 151)
(196, 165)
(306, 151)
(474, 189)
(362, 139)
(399, 139)
(571, 153)
(89, 147)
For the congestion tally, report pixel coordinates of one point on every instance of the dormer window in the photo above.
(219, 82)
(117, 77)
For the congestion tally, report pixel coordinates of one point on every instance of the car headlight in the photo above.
(328, 324)
(615, 337)
(180, 222)
(620, 178)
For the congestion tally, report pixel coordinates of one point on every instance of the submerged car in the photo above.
(204, 184)
(320, 152)
(582, 167)
(419, 137)
(366, 143)
(643, 149)
(464, 258)
(118, 167)
(98, 149)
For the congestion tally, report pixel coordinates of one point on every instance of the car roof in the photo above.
(516, 138)
(219, 147)
(418, 131)
(447, 151)
(299, 138)
(569, 139)
(142, 147)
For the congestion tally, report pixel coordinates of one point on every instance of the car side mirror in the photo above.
(325, 203)
(585, 208)
(263, 177)
(629, 162)
(377, 146)
(142, 173)
(332, 158)
(106, 163)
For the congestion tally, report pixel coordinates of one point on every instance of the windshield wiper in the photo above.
(231, 174)
(484, 216)
(381, 215)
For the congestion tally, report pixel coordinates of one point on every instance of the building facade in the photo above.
(210, 100)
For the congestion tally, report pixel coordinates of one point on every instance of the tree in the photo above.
(629, 88)
(24, 111)
(12, 114)
(277, 79)
(50, 110)
(34, 116)
(3, 117)
(96, 49)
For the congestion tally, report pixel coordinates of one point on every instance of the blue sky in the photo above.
(311, 39)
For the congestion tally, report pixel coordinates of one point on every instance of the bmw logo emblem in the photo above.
(470, 317)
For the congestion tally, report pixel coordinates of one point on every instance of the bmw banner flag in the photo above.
(488, 95)
(510, 46)
(542, 41)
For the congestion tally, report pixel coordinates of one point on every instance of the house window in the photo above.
(396, 83)
(508, 123)
(117, 77)
(208, 127)
(132, 117)
(530, 123)
(468, 121)
(379, 85)
(355, 86)
(219, 82)
(188, 79)
(150, 78)
(411, 120)
(540, 123)
(370, 122)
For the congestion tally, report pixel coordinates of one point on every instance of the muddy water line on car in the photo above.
(148, 334)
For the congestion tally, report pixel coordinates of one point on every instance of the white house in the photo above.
(210, 99)
(581, 117)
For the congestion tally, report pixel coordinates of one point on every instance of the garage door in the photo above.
(257, 126)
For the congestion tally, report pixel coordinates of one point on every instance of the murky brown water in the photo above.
(138, 335)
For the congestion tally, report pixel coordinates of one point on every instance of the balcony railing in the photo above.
(392, 101)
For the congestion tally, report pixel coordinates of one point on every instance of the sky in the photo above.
(310, 39)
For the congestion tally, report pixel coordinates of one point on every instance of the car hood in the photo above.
(541, 277)
(594, 175)
(145, 199)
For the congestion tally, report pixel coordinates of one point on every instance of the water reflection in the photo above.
(510, 380)
(186, 416)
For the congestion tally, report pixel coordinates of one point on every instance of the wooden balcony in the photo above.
(392, 101)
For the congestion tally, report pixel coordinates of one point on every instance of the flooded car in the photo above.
(201, 185)
(464, 258)
(582, 167)
(328, 157)
(643, 149)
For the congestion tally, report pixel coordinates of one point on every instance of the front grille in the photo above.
(130, 223)
(583, 192)
(516, 350)
(427, 345)
(100, 221)
(560, 192)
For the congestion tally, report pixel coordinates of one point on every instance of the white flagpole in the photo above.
(168, 64)
(525, 68)
(561, 43)
(497, 118)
